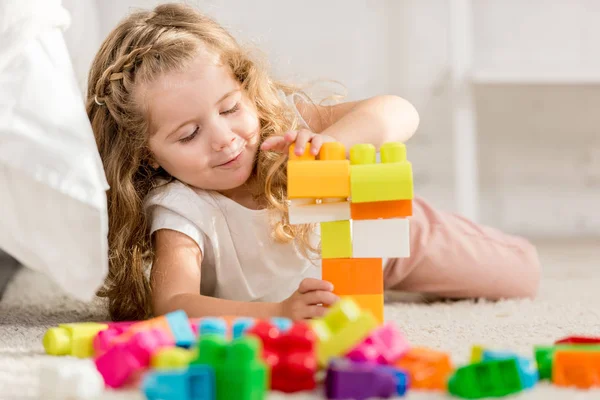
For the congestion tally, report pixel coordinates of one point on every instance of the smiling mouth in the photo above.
(239, 152)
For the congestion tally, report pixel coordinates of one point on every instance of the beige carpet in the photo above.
(568, 303)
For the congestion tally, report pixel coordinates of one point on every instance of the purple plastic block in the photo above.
(349, 380)
(384, 345)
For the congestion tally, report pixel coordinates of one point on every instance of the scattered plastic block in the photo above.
(212, 325)
(484, 379)
(194, 383)
(70, 379)
(348, 380)
(401, 377)
(289, 354)
(283, 324)
(239, 370)
(171, 358)
(175, 324)
(122, 360)
(74, 339)
(240, 326)
(341, 328)
(576, 368)
(428, 369)
(385, 345)
(527, 368)
(578, 340)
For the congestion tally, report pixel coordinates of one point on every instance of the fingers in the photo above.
(319, 297)
(274, 143)
(312, 284)
(315, 312)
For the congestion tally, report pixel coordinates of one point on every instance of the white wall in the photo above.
(539, 144)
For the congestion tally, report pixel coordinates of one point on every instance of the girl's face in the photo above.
(204, 131)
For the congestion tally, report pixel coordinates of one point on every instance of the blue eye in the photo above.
(190, 137)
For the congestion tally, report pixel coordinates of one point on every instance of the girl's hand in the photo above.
(301, 138)
(307, 302)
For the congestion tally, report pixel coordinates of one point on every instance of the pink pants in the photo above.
(455, 258)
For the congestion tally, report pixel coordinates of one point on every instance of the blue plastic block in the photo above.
(212, 326)
(527, 368)
(181, 329)
(283, 324)
(402, 378)
(240, 326)
(194, 383)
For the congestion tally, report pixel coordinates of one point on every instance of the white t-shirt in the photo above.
(241, 261)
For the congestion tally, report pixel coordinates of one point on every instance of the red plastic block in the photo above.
(578, 340)
(384, 345)
(290, 355)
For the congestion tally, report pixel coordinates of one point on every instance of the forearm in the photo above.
(376, 120)
(197, 306)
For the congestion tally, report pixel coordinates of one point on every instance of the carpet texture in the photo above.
(568, 303)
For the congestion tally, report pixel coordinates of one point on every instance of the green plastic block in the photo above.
(336, 239)
(392, 179)
(240, 371)
(495, 378)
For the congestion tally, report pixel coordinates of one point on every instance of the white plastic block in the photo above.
(68, 378)
(385, 238)
(303, 211)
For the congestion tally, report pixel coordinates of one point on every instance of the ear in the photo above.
(153, 163)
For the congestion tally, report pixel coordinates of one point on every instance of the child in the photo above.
(194, 135)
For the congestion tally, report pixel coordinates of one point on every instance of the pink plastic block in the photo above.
(124, 359)
(384, 345)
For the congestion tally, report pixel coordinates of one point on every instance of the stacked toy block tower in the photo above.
(362, 207)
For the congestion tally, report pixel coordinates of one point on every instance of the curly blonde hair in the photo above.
(143, 46)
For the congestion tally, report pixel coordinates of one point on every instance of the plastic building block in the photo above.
(392, 179)
(239, 370)
(194, 383)
(74, 339)
(309, 211)
(576, 368)
(212, 325)
(476, 353)
(401, 377)
(324, 178)
(578, 340)
(544, 356)
(527, 369)
(282, 323)
(70, 379)
(385, 345)
(336, 239)
(171, 358)
(340, 329)
(427, 369)
(373, 303)
(348, 380)
(289, 354)
(381, 209)
(240, 326)
(354, 275)
(486, 379)
(122, 360)
(175, 324)
(392, 238)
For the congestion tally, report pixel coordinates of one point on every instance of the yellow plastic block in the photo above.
(74, 339)
(336, 239)
(172, 358)
(392, 179)
(372, 303)
(476, 354)
(324, 178)
(343, 327)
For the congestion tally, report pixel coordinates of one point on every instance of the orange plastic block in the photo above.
(575, 368)
(428, 369)
(324, 178)
(352, 276)
(372, 303)
(382, 209)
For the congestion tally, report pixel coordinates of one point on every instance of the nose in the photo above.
(222, 138)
